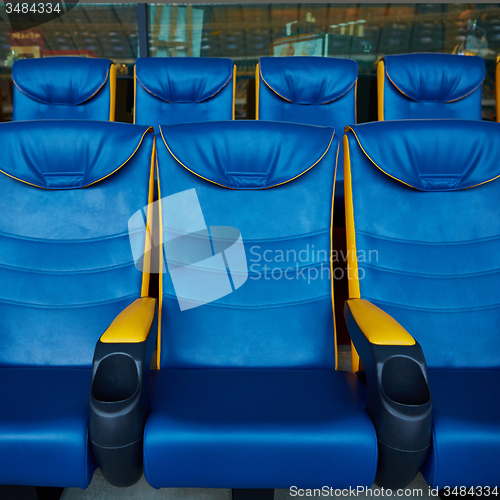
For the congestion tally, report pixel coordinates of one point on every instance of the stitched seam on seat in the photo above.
(258, 306)
(83, 240)
(433, 310)
(150, 129)
(428, 243)
(436, 101)
(69, 271)
(253, 188)
(308, 104)
(188, 102)
(434, 472)
(432, 276)
(287, 238)
(85, 465)
(67, 306)
(65, 104)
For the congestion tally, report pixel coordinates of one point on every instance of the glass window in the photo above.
(364, 32)
(87, 30)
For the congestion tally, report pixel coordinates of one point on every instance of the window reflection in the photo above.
(87, 30)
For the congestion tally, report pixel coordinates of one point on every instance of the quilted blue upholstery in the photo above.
(427, 234)
(312, 90)
(419, 86)
(61, 88)
(466, 423)
(225, 410)
(67, 271)
(178, 90)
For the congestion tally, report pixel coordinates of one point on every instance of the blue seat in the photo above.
(67, 272)
(171, 90)
(424, 86)
(74, 88)
(434, 269)
(224, 408)
(247, 394)
(312, 90)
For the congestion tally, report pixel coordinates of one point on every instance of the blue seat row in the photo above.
(246, 393)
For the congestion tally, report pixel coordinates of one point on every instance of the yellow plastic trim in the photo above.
(160, 270)
(132, 325)
(497, 87)
(380, 89)
(135, 93)
(257, 83)
(382, 170)
(331, 259)
(146, 269)
(234, 91)
(227, 187)
(112, 92)
(377, 326)
(352, 260)
(150, 129)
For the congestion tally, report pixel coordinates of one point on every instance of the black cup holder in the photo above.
(107, 387)
(404, 383)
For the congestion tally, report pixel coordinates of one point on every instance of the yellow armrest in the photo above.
(377, 326)
(133, 324)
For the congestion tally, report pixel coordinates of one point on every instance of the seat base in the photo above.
(258, 428)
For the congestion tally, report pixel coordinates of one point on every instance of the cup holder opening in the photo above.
(116, 379)
(403, 382)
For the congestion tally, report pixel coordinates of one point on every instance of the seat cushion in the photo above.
(43, 427)
(245, 428)
(465, 448)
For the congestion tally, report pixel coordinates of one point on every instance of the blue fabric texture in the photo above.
(311, 90)
(43, 427)
(61, 88)
(250, 167)
(466, 429)
(247, 395)
(67, 271)
(416, 153)
(101, 149)
(179, 90)
(419, 86)
(430, 259)
(259, 428)
(433, 263)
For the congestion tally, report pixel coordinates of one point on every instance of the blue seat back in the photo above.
(312, 90)
(425, 86)
(171, 90)
(422, 217)
(67, 88)
(250, 175)
(66, 267)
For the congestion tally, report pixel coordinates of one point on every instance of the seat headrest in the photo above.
(308, 80)
(248, 154)
(183, 79)
(435, 77)
(433, 155)
(32, 152)
(61, 80)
